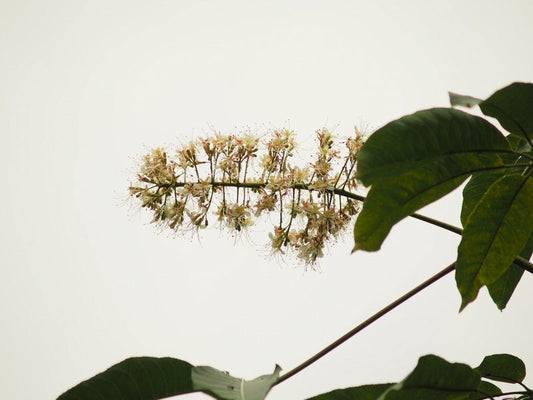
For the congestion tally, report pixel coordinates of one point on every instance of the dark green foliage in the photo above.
(437, 379)
(484, 390)
(416, 160)
(512, 106)
(502, 289)
(496, 232)
(365, 392)
(137, 378)
(503, 367)
(419, 158)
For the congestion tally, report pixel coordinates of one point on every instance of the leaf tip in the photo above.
(466, 301)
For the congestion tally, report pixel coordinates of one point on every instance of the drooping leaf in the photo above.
(224, 386)
(417, 159)
(503, 368)
(137, 378)
(365, 392)
(437, 379)
(501, 290)
(512, 106)
(485, 389)
(496, 231)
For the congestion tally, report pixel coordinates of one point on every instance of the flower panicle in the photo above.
(239, 177)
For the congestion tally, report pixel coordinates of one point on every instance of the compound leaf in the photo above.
(417, 159)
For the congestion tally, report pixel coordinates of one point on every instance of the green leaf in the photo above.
(417, 159)
(518, 143)
(485, 389)
(502, 290)
(387, 204)
(137, 378)
(495, 232)
(150, 378)
(365, 392)
(512, 106)
(481, 181)
(474, 190)
(437, 379)
(425, 139)
(503, 368)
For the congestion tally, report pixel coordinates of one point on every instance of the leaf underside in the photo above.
(462, 100)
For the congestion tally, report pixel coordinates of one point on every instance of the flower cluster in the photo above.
(239, 177)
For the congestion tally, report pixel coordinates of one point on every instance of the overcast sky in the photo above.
(88, 86)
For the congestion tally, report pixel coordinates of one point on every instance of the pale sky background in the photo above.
(85, 281)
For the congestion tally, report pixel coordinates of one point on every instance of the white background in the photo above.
(87, 86)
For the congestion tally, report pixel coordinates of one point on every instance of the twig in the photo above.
(367, 323)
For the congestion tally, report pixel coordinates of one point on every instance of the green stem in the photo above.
(420, 217)
(367, 322)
